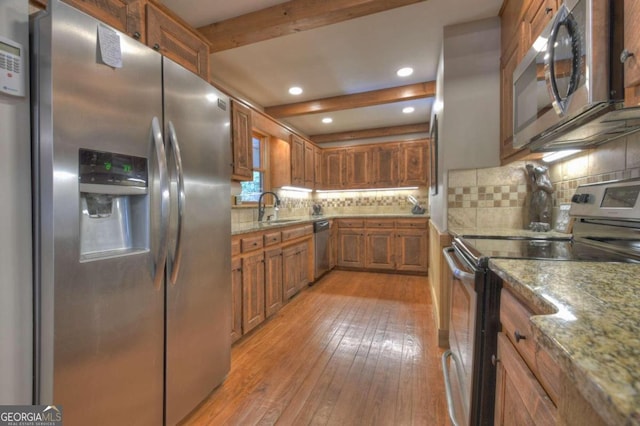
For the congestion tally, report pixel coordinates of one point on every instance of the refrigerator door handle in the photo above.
(161, 256)
(174, 265)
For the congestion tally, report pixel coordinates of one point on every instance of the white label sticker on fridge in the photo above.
(109, 42)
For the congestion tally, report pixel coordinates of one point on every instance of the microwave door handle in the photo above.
(174, 265)
(161, 255)
(457, 272)
(563, 18)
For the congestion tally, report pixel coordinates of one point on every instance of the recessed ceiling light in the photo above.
(408, 110)
(327, 120)
(295, 90)
(405, 72)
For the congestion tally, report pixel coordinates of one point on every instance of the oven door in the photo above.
(458, 362)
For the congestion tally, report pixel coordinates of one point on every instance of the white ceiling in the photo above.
(353, 56)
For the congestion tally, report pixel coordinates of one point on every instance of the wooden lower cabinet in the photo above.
(411, 250)
(236, 299)
(253, 312)
(380, 249)
(295, 266)
(351, 248)
(520, 399)
(273, 283)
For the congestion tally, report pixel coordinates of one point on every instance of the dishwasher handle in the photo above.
(457, 272)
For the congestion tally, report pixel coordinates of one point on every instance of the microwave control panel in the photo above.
(12, 70)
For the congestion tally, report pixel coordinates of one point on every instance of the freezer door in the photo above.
(198, 313)
(100, 318)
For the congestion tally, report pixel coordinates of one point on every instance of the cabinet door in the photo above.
(632, 44)
(242, 141)
(309, 165)
(520, 400)
(124, 15)
(302, 265)
(351, 248)
(385, 166)
(297, 161)
(252, 291)
(358, 166)
(412, 250)
(537, 16)
(236, 299)
(414, 164)
(380, 248)
(508, 65)
(273, 281)
(290, 274)
(334, 168)
(317, 168)
(175, 41)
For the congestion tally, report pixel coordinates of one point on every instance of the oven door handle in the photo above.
(447, 385)
(457, 272)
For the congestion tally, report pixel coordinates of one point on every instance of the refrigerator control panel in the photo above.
(12, 72)
(108, 168)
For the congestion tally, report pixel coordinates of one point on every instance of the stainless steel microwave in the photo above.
(568, 90)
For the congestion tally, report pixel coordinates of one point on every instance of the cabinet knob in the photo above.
(136, 35)
(519, 336)
(625, 55)
(494, 360)
(156, 46)
(548, 10)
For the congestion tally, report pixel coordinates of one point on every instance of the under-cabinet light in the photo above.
(404, 72)
(296, 188)
(557, 155)
(327, 120)
(408, 110)
(295, 90)
(366, 189)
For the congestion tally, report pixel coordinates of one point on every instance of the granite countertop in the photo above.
(592, 327)
(505, 232)
(245, 228)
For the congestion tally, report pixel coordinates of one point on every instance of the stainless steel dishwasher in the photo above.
(322, 247)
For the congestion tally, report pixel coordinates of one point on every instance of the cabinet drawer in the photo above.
(421, 224)
(351, 223)
(516, 325)
(271, 238)
(290, 234)
(379, 223)
(235, 247)
(251, 243)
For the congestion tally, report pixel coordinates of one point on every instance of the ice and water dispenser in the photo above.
(114, 204)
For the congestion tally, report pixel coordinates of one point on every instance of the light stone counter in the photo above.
(592, 329)
(245, 228)
(506, 232)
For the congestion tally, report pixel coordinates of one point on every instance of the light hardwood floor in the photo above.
(354, 349)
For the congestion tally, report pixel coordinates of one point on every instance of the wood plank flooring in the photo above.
(354, 349)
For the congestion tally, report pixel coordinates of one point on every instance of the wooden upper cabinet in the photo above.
(385, 166)
(124, 15)
(507, 67)
(333, 175)
(317, 168)
(176, 41)
(309, 165)
(358, 166)
(632, 45)
(537, 16)
(242, 141)
(414, 164)
(297, 161)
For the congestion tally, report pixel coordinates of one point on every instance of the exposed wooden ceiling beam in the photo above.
(357, 100)
(371, 133)
(289, 18)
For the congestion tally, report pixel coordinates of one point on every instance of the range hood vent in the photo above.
(601, 123)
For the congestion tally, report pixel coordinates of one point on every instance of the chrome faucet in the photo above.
(261, 206)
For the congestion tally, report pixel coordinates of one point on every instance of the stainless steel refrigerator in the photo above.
(132, 207)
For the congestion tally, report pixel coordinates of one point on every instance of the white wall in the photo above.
(467, 104)
(16, 284)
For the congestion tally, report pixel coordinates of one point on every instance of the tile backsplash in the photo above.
(296, 204)
(499, 196)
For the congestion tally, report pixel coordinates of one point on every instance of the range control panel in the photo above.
(108, 168)
(614, 199)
